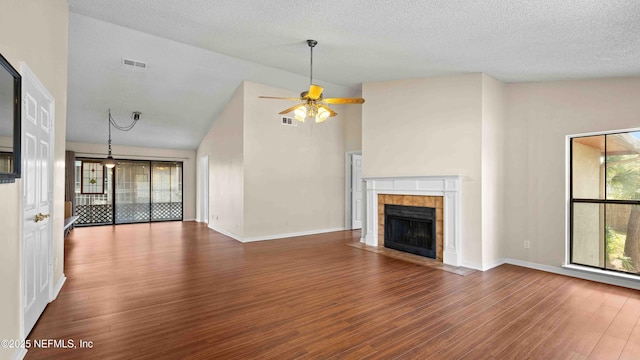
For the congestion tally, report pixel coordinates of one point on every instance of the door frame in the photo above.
(347, 187)
(204, 189)
(29, 75)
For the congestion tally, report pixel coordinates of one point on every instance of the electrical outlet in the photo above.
(526, 244)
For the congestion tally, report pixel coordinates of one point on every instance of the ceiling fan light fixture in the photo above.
(323, 115)
(300, 113)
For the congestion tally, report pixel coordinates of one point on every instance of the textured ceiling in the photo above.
(180, 94)
(359, 41)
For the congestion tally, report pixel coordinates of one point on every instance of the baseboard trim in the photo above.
(226, 233)
(288, 235)
(58, 287)
(273, 237)
(190, 219)
(471, 265)
(585, 274)
(479, 267)
(19, 354)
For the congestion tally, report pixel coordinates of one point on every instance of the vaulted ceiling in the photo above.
(199, 51)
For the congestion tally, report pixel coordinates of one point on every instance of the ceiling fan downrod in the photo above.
(312, 44)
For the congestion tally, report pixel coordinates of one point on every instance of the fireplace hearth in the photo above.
(411, 229)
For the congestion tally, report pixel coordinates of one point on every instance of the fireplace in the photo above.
(441, 192)
(411, 229)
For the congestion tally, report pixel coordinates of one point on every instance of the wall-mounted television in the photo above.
(10, 93)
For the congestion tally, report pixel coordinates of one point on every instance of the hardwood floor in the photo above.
(179, 290)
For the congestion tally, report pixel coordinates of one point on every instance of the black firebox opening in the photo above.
(411, 229)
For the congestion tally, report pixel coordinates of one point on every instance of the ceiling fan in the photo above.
(313, 105)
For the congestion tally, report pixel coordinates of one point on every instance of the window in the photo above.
(92, 207)
(605, 201)
(6, 162)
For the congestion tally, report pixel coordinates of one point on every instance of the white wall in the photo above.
(36, 33)
(540, 116)
(293, 175)
(139, 153)
(426, 127)
(493, 122)
(224, 146)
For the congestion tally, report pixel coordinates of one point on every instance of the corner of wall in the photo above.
(493, 132)
(224, 146)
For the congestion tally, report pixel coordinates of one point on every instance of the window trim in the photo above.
(569, 207)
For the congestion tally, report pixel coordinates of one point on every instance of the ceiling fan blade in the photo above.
(315, 92)
(290, 109)
(279, 98)
(343, 100)
(331, 112)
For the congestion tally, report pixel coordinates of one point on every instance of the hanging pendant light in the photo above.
(109, 162)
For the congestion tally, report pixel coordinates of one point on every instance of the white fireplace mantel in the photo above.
(449, 187)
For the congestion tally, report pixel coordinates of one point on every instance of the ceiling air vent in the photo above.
(134, 63)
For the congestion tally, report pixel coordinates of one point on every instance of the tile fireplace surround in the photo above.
(449, 187)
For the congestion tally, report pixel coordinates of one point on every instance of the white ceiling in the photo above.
(189, 80)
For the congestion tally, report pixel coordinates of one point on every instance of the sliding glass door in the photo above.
(133, 192)
(166, 191)
(141, 191)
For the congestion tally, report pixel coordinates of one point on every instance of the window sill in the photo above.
(611, 274)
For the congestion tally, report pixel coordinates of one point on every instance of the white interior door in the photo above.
(37, 192)
(356, 191)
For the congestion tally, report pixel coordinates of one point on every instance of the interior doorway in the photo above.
(353, 190)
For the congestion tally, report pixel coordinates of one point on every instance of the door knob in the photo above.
(41, 216)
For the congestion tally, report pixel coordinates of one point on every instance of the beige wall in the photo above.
(269, 180)
(223, 144)
(493, 122)
(426, 127)
(352, 121)
(293, 175)
(36, 33)
(540, 116)
(130, 152)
